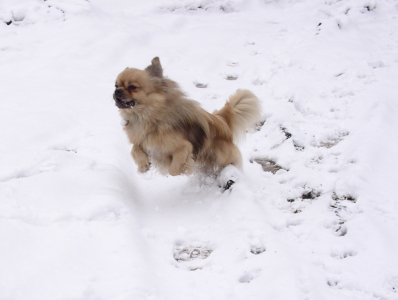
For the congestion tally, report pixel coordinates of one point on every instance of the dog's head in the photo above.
(135, 87)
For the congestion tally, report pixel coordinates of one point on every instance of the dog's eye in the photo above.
(132, 87)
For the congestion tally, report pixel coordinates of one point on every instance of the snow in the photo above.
(78, 222)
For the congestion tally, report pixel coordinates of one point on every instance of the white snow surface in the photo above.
(78, 222)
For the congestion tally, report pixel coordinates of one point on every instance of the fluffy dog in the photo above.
(174, 133)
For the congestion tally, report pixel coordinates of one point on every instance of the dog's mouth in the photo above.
(123, 104)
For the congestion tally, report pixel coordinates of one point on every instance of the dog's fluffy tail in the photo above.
(241, 111)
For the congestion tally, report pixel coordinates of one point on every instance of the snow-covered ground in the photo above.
(78, 222)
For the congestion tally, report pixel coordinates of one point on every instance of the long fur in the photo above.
(174, 133)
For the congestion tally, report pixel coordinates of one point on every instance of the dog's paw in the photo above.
(175, 172)
(228, 176)
(185, 168)
(144, 168)
(228, 184)
(189, 166)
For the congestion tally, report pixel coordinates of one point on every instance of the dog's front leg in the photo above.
(182, 161)
(140, 158)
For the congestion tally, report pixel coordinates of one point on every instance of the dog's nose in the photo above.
(118, 92)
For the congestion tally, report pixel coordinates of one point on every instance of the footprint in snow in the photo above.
(341, 230)
(308, 194)
(332, 282)
(231, 77)
(200, 85)
(257, 248)
(232, 64)
(188, 251)
(332, 141)
(249, 276)
(339, 207)
(191, 256)
(268, 165)
(343, 254)
(258, 81)
(288, 135)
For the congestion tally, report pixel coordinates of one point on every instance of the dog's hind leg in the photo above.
(227, 153)
(140, 158)
(228, 177)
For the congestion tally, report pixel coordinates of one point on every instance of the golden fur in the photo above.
(174, 133)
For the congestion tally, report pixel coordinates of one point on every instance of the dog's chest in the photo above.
(142, 134)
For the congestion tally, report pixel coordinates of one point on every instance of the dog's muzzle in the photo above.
(120, 102)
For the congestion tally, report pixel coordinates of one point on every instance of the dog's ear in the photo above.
(155, 69)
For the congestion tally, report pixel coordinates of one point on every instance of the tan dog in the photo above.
(175, 133)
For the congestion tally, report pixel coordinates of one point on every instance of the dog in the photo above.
(174, 133)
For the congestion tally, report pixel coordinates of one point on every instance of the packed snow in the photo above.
(314, 215)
